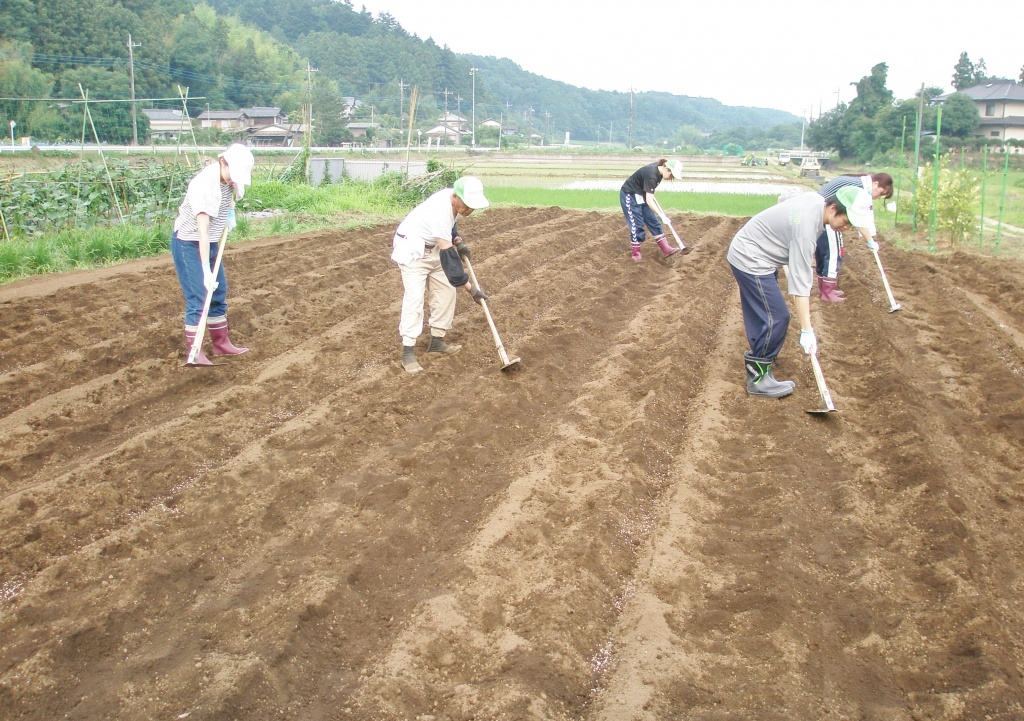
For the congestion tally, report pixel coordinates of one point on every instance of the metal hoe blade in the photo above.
(826, 397)
(893, 305)
(506, 362)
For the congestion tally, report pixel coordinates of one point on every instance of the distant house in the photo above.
(227, 120)
(445, 135)
(451, 129)
(351, 105)
(167, 124)
(1000, 107)
(277, 136)
(260, 117)
(490, 123)
(454, 120)
(359, 130)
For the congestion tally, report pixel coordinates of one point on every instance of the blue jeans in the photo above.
(190, 275)
(637, 216)
(765, 313)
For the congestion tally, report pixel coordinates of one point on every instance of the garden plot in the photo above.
(615, 531)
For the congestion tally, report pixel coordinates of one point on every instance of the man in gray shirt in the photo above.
(785, 234)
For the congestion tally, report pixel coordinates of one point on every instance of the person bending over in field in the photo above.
(205, 216)
(429, 252)
(640, 207)
(785, 234)
(829, 253)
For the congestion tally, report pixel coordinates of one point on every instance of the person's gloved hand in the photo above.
(808, 342)
(463, 250)
(232, 220)
(209, 282)
(665, 220)
(478, 295)
(872, 245)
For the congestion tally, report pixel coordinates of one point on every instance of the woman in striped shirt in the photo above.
(204, 218)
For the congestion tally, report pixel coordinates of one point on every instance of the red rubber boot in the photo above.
(219, 335)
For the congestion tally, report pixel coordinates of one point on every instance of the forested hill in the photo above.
(237, 53)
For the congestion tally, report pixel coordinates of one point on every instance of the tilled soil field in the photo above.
(614, 531)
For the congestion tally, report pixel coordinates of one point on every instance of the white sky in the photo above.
(792, 55)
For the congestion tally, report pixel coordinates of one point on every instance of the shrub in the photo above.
(958, 195)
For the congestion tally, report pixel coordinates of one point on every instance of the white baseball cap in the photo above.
(676, 168)
(240, 161)
(858, 206)
(471, 191)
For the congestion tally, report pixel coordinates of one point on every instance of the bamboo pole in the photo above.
(412, 120)
(933, 220)
(984, 182)
(1002, 196)
(917, 157)
(3, 221)
(106, 168)
(899, 176)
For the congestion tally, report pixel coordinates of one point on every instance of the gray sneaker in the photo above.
(437, 345)
(409, 361)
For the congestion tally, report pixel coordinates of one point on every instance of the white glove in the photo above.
(232, 220)
(872, 245)
(209, 282)
(665, 220)
(808, 342)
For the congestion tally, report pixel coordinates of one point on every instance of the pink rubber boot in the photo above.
(827, 288)
(201, 359)
(666, 248)
(219, 335)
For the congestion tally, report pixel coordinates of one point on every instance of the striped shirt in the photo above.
(205, 194)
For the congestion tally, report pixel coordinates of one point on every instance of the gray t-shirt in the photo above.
(784, 234)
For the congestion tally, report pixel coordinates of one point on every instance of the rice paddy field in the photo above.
(710, 185)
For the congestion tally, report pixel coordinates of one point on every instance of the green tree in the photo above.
(872, 94)
(18, 79)
(963, 72)
(113, 121)
(329, 126)
(980, 73)
(959, 116)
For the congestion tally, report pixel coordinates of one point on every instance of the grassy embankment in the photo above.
(297, 208)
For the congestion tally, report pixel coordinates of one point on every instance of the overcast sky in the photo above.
(793, 55)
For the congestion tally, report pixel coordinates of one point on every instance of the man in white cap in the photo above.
(640, 208)
(204, 218)
(427, 248)
(785, 235)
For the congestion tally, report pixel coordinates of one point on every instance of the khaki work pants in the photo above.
(424, 279)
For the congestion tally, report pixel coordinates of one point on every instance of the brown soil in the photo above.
(613, 532)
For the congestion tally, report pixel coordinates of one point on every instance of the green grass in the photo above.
(717, 203)
(82, 248)
(345, 205)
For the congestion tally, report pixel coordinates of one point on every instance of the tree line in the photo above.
(872, 126)
(241, 53)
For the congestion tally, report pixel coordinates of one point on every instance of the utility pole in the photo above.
(308, 130)
(402, 85)
(917, 157)
(547, 131)
(629, 135)
(472, 73)
(131, 86)
(447, 92)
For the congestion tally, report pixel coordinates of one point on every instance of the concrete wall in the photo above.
(339, 168)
